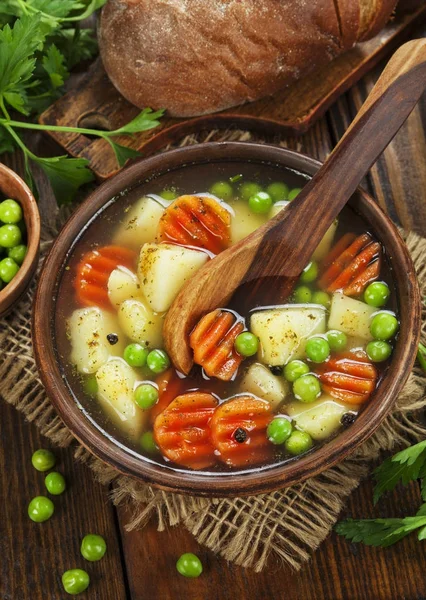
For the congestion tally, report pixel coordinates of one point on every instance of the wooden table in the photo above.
(141, 565)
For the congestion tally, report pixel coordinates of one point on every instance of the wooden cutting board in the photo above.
(96, 104)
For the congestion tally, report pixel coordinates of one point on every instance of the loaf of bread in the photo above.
(194, 57)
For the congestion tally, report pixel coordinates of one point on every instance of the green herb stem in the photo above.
(59, 128)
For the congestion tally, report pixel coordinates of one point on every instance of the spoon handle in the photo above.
(284, 245)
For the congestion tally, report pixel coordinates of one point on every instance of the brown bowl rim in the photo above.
(13, 291)
(235, 484)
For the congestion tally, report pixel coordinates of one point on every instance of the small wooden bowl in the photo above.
(227, 484)
(12, 186)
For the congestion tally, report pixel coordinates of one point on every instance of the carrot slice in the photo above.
(169, 387)
(349, 377)
(213, 343)
(182, 430)
(196, 221)
(238, 429)
(93, 271)
(351, 265)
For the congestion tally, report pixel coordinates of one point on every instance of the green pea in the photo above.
(317, 349)
(75, 581)
(293, 193)
(222, 190)
(278, 191)
(40, 509)
(93, 547)
(135, 355)
(279, 430)
(298, 443)
(189, 565)
(43, 460)
(246, 344)
(260, 203)
(384, 326)
(337, 340)
(249, 189)
(10, 236)
(148, 443)
(295, 369)
(378, 351)
(10, 211)
(168, 194)
(8, 269)
(322, 298)
(306, 388)
(18, 253)
(146, 396)
(302, 294)
(158, 361)
(309, 273)
(90, 385)
(377, 294)
(55, 483)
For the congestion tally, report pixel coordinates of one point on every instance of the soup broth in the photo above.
(268, 384)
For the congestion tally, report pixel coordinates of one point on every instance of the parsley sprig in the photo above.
(40, 42)
(405, 466)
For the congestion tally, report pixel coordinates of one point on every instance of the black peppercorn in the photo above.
(112, 338)
(347, 419)
(276, 370)
(240, 435)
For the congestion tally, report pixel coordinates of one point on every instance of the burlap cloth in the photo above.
(291, 522)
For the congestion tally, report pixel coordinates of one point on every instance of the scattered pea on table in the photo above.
(40, 509)
(189, 565)
(93, 547)
(43, 460)
(75, 581)
(55, 483)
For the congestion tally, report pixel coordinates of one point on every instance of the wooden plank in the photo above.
(398, 179)
(95, 103)
(35, 555)
(338, 570)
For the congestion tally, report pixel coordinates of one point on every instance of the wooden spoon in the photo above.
(274, 255)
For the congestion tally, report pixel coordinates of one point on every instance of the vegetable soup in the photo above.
(268, 385)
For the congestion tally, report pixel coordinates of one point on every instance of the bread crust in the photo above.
(382, 13)
(195, 57)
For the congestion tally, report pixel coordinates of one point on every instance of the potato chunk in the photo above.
(116, 381)
(140, 223)
(278, 207)
(283, 331)
(351, 316)
(260, 382)
(122, 285)
(88, 329)
(324, 246)
(163, 269)
(320, 418)
(140, 323)
(244, 221)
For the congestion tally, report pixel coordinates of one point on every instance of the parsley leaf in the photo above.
(408, 465)
(147, 119)
(380, 532)
(66, 175)
(123, 153)
(54, 65)
(17, 62)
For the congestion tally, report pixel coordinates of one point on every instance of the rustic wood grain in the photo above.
(398, 179)
(96, 104)
(338, 571)
(35, 555)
